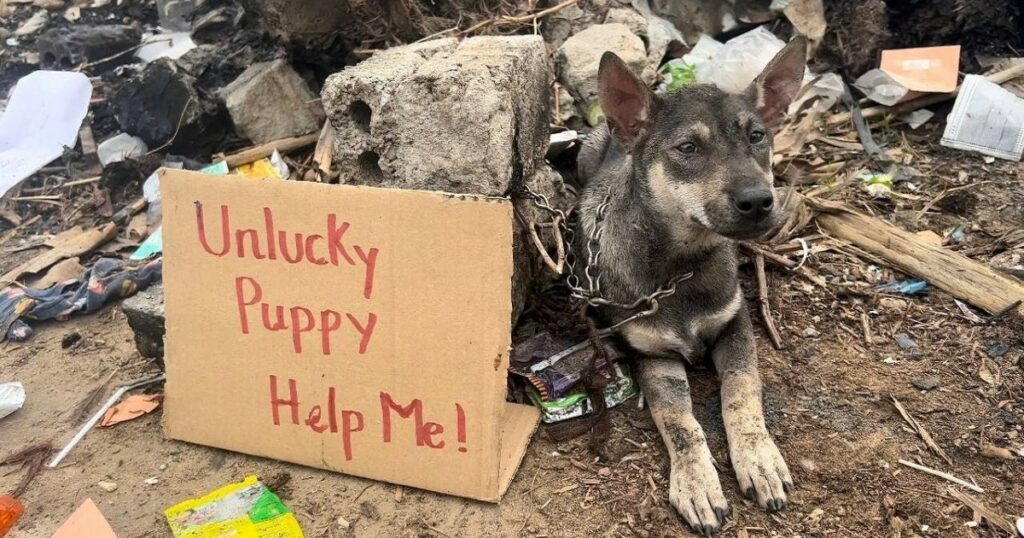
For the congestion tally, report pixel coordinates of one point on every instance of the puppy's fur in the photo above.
(688, 174)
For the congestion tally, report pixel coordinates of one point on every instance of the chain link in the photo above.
(646, 305)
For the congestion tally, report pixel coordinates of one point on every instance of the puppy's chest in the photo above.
(687, 336)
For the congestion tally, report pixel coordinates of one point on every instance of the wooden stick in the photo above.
(323, 155)
(952, 272)
(899, 109)
(942, 475)
(919, 430)
(782, 261)
(79, 182)
(993, 517)
(284, 145)
(762, 299)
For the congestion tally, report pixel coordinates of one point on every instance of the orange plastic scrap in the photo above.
(86, 521)
(131, 408)
(926, 69)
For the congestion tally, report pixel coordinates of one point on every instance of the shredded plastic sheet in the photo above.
(245, 509)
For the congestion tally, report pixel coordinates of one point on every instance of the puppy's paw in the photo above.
(763, 474)
(696, 493)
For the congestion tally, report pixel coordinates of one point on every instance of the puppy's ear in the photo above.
(625, 100)
(776, 87)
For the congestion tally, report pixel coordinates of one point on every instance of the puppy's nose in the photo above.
(753, 204)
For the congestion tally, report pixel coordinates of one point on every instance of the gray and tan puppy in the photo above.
(685, 175)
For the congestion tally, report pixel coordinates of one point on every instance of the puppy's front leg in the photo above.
(760, 469)
(694, 489)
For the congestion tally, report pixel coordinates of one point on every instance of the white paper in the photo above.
(44, 114)
(12, 398)
(172, 45)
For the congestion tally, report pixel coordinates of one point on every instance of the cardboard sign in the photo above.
(355, 329)
(926, 69)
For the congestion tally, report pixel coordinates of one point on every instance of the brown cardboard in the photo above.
(414, 299)
(925, 69)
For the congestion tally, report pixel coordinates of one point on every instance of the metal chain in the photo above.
(648, 304)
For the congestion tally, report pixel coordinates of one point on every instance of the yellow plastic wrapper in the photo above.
(246, 509)
(273, 167)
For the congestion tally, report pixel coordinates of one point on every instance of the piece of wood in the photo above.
(323, 155)
(899, 109)
(942, 475)
(954, 273)
(284, 145)
(782, 261)
(919, 429)
(762, 300)
(994, 518)
(81, 243)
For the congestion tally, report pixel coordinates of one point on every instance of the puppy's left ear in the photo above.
(776, 87)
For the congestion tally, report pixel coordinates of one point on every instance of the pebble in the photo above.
(152, 481)
(163, 466)
(343, 523)
(904, 341)
(107, 486)
(925, 383)
(810, 332)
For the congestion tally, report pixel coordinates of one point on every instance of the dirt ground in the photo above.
(828, 394)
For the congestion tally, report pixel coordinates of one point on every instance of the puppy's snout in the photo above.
(754, 204)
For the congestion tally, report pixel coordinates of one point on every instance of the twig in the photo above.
(284, 145)
(919, 429)
(990, 515)
(502, 21)
(942, 475)
(865, 323)
(181, 119)
(782, 261)
(79, 182)
(122, 53)
(762, 299)
(40, 198)
(559, 245)
(944, 194)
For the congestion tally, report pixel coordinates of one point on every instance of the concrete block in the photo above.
(270, 101)
(145, 312)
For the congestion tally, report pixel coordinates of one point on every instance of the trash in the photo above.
(103, 47)
(153, 245)
(86, 521)
(36, 22)
(904, 341)
(925, 69)
(63, 270)
(925, 383)
(881, 87)
(559, 142)
(986, 118)
(10, 511)
(917, 118)
(272, 167)
(131, 408)
(108, 279)
(12, 398)
(99, 414)
(269, 100)
(121, 147)
(30, 138)
(905, 287)
(245, 508)
(175, 14)
(577, 403)
(738, 62)
(109, 487)
(552, 367)
(171, 46)
(877, 184)
(1020, 526)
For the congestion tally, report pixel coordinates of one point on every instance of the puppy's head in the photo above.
(705, 155)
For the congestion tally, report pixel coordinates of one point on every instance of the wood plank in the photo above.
(954, 273)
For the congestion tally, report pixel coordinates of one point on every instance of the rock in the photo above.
(153, 103)
(636, 22)
(36, 22)
(904, 341)
(70, 339)
(66, 48)
(107, 486)
(270, 101)
(437, 116)
(925, 383)
(52, 5)
(299, 21)
(145, 312)
(810, 332)
(579, 57)
(566, 22)
(152, 481)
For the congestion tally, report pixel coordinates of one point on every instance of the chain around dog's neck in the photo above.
(592, 293)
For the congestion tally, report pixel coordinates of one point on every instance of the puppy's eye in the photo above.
(687, 148)
(757, 136)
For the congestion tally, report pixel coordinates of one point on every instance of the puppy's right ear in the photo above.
(624, 98)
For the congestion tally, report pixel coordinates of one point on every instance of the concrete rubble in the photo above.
(145, 313)
(270, 101)
(579, 57)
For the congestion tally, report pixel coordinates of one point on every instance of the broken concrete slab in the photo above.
(579, 57)
(436, 116)
(66, 48)
(161, 105)
(270, 101)
(145, 313)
